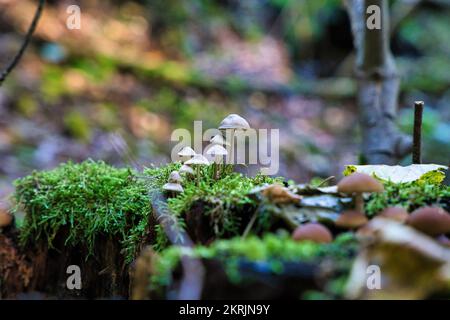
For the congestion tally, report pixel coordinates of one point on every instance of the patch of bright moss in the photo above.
(409, 196)
(272, 248)
(221, 199)
(89, 199)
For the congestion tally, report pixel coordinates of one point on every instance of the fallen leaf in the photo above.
(430, 173)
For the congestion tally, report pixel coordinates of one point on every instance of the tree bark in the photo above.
(378, 86)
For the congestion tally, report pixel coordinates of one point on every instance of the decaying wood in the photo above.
(191, 285)
(15, 270)
(378, 87)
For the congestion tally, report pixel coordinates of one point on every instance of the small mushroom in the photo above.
(358, 183)
(218, 139)
(175, 177)
(186, 169)
(430, 220)
(351, 219)
(233, 122)
(186, 153)
(173, 188)
(197, 161)
(278, 194)
(395, 213)
(217, 152)
(315, 232)
(5, 219)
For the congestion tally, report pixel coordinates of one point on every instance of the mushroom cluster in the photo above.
(216, 151)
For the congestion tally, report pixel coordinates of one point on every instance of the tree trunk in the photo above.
(378, 86)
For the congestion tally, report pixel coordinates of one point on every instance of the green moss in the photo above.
(409, 196)
(88, 199)
(272, 248)
(221, 200)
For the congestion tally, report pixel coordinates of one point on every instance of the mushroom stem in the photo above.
(198, 176)
(359, 202)
(232, 146)
(417, 143)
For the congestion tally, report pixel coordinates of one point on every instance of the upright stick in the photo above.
(417, 142)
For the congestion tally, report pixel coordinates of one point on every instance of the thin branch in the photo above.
(25, 43)
(417, 142)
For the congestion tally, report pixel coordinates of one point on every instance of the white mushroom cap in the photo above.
(218, 139)
(187, 152)
(217, 150)
(186, 169)
(198, 159)
(174, 177)
(234, 121)
(175, 187)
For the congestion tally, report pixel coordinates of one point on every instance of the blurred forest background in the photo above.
(136, 70)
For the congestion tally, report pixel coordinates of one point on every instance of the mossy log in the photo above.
(44, 269)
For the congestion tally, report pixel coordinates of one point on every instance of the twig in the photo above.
(250, 224)
(25, 43)
(417, 142)
(324, 181)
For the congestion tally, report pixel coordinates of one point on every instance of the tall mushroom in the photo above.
(233, 122)
(358, 183)
(197, 161)
(217, 152)
(186, 153)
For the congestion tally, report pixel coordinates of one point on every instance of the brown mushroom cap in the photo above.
(5, 219)
(174, 187)
(279, 194)
(314, 232)
(395, 213)
(351, 219)
(359, 182)
(234, 121)
(430, 220)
